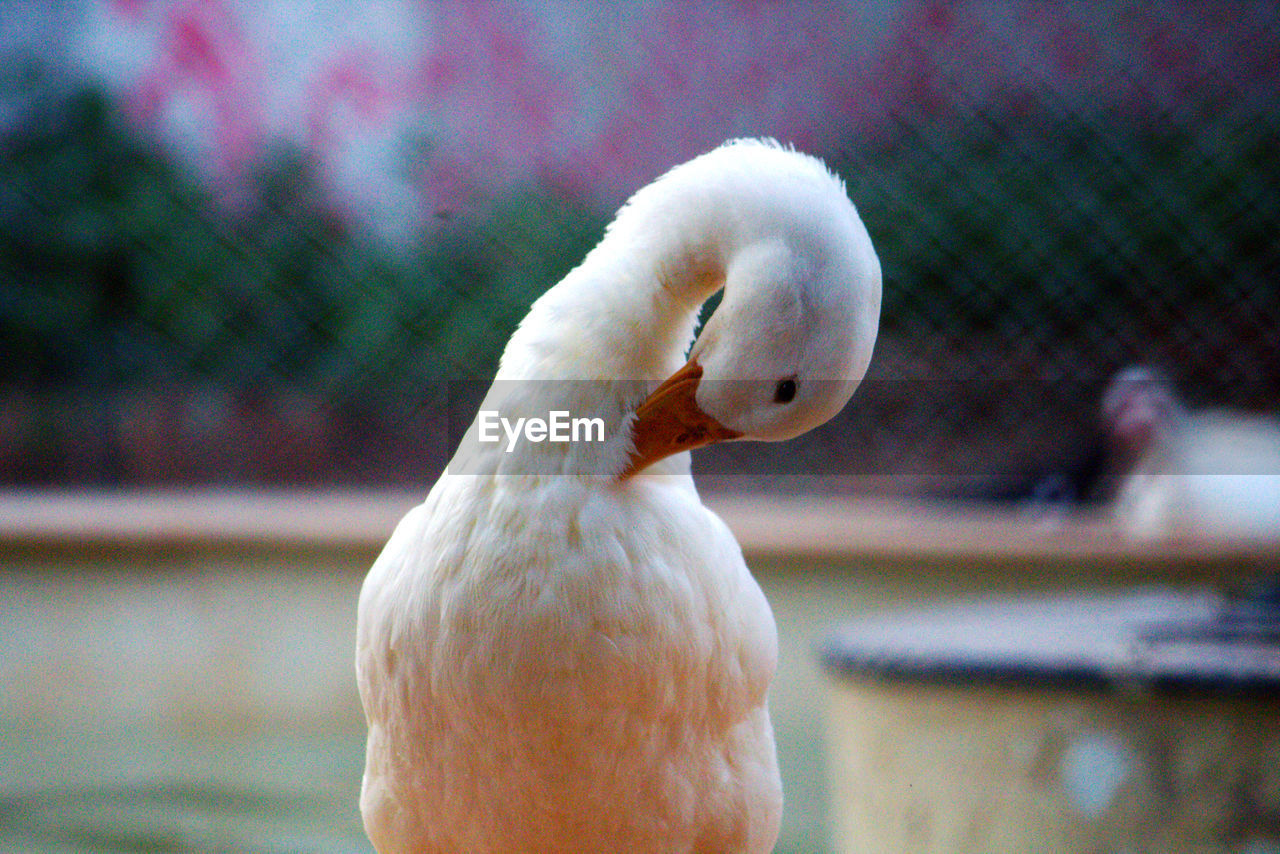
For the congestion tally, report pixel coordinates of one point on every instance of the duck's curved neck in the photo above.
(598, 342)
(628, 312)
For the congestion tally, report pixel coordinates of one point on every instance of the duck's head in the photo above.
(792, 337)
(1140, 409)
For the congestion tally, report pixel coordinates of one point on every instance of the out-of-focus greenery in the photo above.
(1106, 233)
(119, 268)
(260, 336)
(1078, 235)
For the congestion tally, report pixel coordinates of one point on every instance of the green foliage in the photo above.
(118, 268)
(1069, 229)
(491, 275)
(74, 209)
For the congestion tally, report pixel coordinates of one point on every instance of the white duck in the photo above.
(561, 649)
(1211, 474)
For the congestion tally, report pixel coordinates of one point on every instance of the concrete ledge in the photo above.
(198, 520)
(810, 528)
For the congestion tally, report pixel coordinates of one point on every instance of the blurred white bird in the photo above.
(1199, 474)
(561, 649)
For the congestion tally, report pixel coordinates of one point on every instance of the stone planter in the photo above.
(1146, 722)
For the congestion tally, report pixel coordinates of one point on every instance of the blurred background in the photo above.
(255, 244)
(275, 245)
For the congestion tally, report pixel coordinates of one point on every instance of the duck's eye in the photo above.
(785, 392)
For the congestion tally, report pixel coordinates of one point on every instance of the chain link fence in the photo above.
(1052, 198)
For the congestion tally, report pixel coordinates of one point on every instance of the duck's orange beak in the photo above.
(669, 421)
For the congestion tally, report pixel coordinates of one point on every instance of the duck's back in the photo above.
(555, 663)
